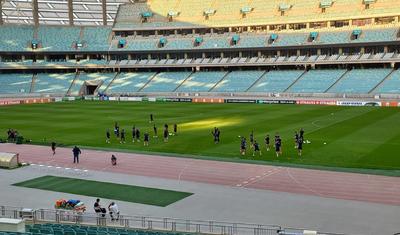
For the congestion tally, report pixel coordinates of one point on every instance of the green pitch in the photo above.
(353, 137)
(121, 192)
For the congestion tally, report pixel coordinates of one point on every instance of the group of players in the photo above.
(298, 140)
(254, 145)
(136, 137)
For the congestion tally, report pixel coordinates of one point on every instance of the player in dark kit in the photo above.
(116, 129)
(300, 146)
(278, 145)
(175, 129)
(243, 146)
(53, 147)
(108, 136)
(165, 134)
(122, 136)
(218, 134)
(155, 131)
(256, 148)
(296, 139)
(146, 139)
(137, 134)
(301, 133)
(252, 139)
(133, 134)
(151, 118)
(267, 142)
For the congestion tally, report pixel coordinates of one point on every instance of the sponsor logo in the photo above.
(317, 102)
(276, 101)
(240, 101)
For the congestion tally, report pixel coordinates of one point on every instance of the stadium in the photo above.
(217, 117)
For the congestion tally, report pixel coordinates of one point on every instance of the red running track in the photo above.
(360, 187)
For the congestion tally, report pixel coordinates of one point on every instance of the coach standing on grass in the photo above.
(76, 152)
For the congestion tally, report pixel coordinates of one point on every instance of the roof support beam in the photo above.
(104, 7)
(1, 12)
(35, 12)
(70, 12)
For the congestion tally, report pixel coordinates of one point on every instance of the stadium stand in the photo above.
(56, 38)
(15, 38)
(360, 81)
(316, 81)
(165, 82)
(68, 229)
(391, 85)
(96, 38)
(238, 81)
(201, 81)
(101, 80)
(130, 82)
(227, 12)
(15, 83)
(53, 82)
(276, 81)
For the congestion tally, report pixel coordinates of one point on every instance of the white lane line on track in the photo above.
(302, 185)
(265, 174)
(183, 170)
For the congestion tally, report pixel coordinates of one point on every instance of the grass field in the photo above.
(355, 137)
(121, 192)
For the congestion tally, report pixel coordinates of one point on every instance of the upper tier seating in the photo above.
(15, 83)
(19, 38)
(166, 81)
(317, 81)
(53, 82)
(391, 85)
(96, 38)
(238, 81)
(58, 38)
(201, 81)
(376, 35)
(129, 82)
(276, 81)
(287, 39)
(227, 12)
(360, 81)
(15, 38)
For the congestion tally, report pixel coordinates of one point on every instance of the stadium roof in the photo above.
(85, 12)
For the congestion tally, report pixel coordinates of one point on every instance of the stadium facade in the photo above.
(328, 49)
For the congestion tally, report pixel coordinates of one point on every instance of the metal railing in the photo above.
(146, 222)
(139, 222)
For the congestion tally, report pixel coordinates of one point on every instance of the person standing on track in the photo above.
(76, 151)
(53, 147)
